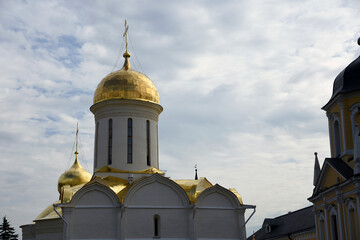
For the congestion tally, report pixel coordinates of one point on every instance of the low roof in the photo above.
(120, 187)
(284, 225)
(344, 170)
(341, 167)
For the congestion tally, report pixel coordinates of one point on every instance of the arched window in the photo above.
(352, 228)
(130, 141)
(321, 226)
(355, 110)
(148, 160)
(156, 225)
(337, 139)
(322, 230)
(96, 143)
(351, 218)
(110, 141)
(334, 227)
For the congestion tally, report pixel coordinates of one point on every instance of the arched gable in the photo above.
(217, 196)
(218, 215)
(156, 190)
(92, 212)
(95, 193)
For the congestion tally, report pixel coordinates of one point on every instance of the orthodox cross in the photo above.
(125, 35)
(77, 138)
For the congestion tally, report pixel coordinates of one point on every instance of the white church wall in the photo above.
(28, 231)
(219, 208)
(93, 213)
(49, 229)
(156, 196)
(101, 151)
(224, 224)
(173, 223)
(120, 111)
(94, 223)
(156, 190)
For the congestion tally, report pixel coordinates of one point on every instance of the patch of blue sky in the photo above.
(290, 160)
(40, 90)
(69, 41)
(13, 178)
(70, 61)
(53, 118)
(75, 92)
(38, 119)
(42, 40)
(17, 28)
(64, 48)
(14, 25)
(51, 132)
(80, 114)
(87, 134)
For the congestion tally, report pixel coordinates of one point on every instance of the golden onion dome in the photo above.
(126, 84)
(74, 176)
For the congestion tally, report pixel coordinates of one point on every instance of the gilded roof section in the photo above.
(49, 212)
(233, 190)
(67, 192)
(194, 187)
(120, 187)
(74, 176)
(114, 170)
(126, 84)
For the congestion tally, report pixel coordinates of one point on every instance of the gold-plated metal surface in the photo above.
(74, 176)
(67, 192)
(114, 170)
(233, 190)
(125, 35)
(126, 84)
(194, 187)
(49, 212)
(120, 186)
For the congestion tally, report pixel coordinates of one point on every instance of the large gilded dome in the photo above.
(74, 176)
(126, 84)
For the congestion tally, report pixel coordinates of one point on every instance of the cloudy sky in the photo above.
(241, 83)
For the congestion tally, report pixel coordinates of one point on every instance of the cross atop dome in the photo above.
(76, 174)
(126, 54)
(126, 83)
(125, 35)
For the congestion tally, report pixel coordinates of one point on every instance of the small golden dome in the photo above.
(74, 176)
(126, 84)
